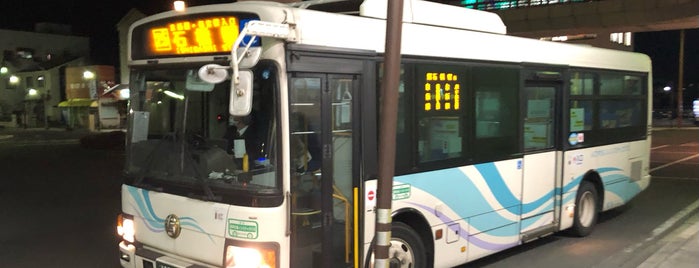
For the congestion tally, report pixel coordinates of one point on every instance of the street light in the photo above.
(179, 6)
(88, 75)
(669, 90)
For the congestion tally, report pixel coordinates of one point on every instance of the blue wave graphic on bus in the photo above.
(144, 207)
(611, 178)
(454, 185)
(463, 233)
(619, 184)
(497, 185)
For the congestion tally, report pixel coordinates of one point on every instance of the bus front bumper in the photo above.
(127, 255)
(137, 257)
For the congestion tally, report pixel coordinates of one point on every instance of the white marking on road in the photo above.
(658, 147)
(675, 162)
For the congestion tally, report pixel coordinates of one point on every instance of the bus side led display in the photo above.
(442, 91)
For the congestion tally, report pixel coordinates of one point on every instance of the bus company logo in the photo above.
(172, 226)
(243, 229)
(573, 139)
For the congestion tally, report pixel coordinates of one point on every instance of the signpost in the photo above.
(387, 131)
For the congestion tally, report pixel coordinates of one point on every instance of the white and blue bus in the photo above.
(253, 131)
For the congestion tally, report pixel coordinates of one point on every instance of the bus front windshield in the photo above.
(182, 139)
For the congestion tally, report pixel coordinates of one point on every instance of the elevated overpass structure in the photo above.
(603, 23)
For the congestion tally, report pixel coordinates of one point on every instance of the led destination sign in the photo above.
(184, 36)
(442, 91)
(194, 37)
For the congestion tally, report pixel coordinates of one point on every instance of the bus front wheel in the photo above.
(586, 209)
(407, 249)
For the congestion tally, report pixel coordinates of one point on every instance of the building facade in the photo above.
(32, 73)
(88, 103)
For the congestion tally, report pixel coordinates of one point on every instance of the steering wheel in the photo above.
(197, 140)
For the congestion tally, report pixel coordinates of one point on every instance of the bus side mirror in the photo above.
(210, 73)
(241, 95)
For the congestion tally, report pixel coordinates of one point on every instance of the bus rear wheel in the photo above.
(586, 209)
(407, 249)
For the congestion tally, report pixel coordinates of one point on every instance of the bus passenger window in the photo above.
(580, 115)
(488, 114)
(620, 113)
(439, 91)
(611, 84)
(496, 109)
(439, 138)
(632, 85)
(582, 83)
(495, 101)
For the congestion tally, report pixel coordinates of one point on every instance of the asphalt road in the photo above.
(58, 202)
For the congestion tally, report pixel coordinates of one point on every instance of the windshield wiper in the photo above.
(141, 175)
(198, 174)
(200, 177)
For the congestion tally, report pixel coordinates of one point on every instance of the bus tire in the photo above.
(586, 209)
(407, 249)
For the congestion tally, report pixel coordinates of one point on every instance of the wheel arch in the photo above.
(593, 177)
(413, 218)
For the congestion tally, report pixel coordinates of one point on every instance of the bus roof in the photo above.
(429, 30)
(450, 35)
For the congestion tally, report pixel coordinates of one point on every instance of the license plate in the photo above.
(163, 265)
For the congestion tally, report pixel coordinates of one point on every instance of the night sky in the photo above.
(663, 48)
(95, 19)
(98, 19)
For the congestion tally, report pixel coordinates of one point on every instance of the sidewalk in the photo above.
(42, 133)
(667, 123)
(680, 248)
(675, 243)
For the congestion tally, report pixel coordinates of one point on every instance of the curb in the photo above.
(674, 128)
(677, 249)
(638, 254)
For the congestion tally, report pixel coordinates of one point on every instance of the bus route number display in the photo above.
(204, 35)
(442, 91)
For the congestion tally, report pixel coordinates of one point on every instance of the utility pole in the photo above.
(680, 85)
(387, 131)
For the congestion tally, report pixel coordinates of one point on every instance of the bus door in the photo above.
(541, 161)
(322, 151)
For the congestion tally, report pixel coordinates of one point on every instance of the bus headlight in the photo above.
(251, 257)
(125, 227)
